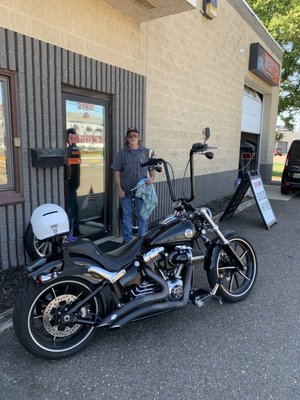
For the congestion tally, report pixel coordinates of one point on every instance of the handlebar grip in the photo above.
(199, 147)
(151, 161)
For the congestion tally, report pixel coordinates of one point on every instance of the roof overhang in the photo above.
(145, 10)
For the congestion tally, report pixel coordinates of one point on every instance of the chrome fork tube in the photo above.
(214, 226)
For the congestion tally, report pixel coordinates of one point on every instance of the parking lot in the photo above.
(244, 351)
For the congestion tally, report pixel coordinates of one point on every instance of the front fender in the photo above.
(214, 249)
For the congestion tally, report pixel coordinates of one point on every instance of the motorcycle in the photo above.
(77, 289)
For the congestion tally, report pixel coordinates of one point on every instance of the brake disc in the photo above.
(53, 310)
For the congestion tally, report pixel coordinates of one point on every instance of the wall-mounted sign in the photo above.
(263, 65)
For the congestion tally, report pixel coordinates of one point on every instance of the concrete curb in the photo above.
(6, 320)
(6, 317)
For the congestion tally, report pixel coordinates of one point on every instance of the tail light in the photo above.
(287, 159)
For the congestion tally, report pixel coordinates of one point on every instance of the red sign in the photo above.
(263, 65)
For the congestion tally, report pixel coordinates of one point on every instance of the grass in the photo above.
(277, 170)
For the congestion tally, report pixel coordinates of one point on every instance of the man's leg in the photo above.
(126, 204)
(143, 225)
(73, 209)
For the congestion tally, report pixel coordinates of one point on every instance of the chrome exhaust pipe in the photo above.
(159, 307)
(112, 277)
(139, 302)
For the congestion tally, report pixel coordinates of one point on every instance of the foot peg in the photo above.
(201, 297)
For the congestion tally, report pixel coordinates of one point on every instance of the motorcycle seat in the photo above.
(113, 261)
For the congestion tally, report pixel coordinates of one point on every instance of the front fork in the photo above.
(201, 296)
(225, 242)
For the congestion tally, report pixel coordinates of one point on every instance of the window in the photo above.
(9, 157)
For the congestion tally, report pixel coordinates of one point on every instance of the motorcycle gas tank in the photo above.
(170, 231)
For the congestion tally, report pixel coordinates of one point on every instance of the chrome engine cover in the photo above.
(175, 289)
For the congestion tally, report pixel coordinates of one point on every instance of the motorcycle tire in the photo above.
(36, 248)
(37, 317)
(235, 285)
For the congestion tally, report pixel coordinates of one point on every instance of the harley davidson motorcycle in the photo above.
(77, 289)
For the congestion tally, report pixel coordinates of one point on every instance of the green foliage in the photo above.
(279, 136)
(282, 19)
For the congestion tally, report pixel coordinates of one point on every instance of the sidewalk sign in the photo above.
(261, 198)
(252, 179)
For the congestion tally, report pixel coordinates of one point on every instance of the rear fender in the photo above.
(214, 250)
(59, 268)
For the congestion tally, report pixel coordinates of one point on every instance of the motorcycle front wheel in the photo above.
(235, 284)
(41, 321)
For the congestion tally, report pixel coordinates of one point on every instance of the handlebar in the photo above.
(151, 161)
(201, 148)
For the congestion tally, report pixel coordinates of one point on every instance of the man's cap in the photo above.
(71, 131)
(132, 130)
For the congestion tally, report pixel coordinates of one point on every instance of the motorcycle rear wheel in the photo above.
(235, 284)
(38, 317)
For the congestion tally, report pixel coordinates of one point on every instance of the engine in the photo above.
(168, 265)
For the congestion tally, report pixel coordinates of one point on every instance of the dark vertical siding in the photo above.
(41, 70)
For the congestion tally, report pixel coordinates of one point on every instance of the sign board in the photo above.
(252, 179)
(261, 198)
(262, 64)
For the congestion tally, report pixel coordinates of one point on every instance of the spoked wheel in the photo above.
(36, 248)
(42, 322)
(236, 284)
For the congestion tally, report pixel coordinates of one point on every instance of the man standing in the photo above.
(73, 179)
(127, 173)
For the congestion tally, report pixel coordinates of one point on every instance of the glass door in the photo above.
(89, 118)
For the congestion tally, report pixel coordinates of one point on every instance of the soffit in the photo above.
(145, 10)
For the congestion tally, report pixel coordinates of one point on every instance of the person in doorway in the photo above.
(128, 174)
(73, 179)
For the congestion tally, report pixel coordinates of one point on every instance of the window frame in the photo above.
(12, 195)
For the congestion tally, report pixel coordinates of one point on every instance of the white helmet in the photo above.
(49, 220)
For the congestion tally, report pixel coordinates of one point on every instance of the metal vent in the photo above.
(146, 4)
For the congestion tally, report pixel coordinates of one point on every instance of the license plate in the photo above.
(296, 176)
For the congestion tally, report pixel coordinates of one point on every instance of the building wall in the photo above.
(287, 139)
(188, 72)
(42, 70)
(195, 67)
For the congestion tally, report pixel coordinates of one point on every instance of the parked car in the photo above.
(278, 152)
(291, 173)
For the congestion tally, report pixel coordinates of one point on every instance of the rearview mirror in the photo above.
(149, 153)
(206, 134)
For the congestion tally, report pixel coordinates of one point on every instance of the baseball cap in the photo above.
(133, 129)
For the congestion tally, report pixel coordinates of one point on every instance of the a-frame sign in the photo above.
(252, 179)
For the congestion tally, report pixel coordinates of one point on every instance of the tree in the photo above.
(282, 20)
(279, 136)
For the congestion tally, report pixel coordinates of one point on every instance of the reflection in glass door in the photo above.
(89, 121)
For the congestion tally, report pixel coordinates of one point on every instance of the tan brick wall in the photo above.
(88, 27)
(195, 70)
(196, 74)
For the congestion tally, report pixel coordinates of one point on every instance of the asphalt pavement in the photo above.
(244, 351)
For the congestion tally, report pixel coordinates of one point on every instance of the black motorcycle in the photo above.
(78, 289)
